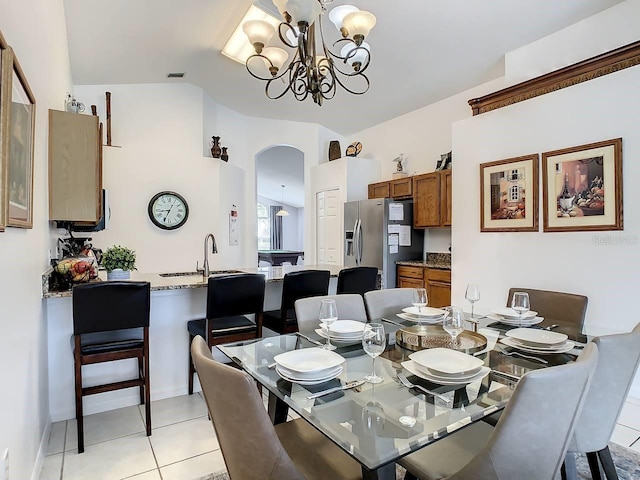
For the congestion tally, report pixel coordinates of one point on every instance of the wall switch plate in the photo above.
(4, 465)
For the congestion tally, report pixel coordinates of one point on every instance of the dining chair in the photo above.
(388, 302)
(617, 365)
(531, 438)
(252, 447)
(349, 307)
(296, 285)
(230, 298)
(357, 280)
(566, 310)
(110, 323)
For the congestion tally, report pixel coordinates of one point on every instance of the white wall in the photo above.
(292, 225)
(600, 109)
(36, 30)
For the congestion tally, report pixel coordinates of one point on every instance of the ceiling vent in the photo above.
(175, 75)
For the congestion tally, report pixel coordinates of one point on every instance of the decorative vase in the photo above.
(335, 151)
(224, 156)
(215, 147)
(119, 274)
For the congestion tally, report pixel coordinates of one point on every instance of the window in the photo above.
(264, 230)
(514, 193)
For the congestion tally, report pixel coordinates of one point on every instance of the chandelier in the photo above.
(314, 70)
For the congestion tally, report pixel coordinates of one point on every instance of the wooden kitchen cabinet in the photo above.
(401, 187)
(410, 277)
(379, 190)
(432, 200)
(75, 167)
(436, 281)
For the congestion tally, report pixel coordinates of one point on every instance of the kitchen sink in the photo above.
(193, 274)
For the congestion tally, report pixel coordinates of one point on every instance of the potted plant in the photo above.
(118, 262)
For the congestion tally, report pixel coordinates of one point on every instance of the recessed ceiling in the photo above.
(422, 50)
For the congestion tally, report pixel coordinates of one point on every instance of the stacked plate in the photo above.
(446, 366)
(309, 366)
(509, 316)
(346, 332)
(538, 341)
(424, 315)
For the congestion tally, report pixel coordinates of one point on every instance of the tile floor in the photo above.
(183, 445)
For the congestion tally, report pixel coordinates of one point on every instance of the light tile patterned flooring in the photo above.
(182, 446)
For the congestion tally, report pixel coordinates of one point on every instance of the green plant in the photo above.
(119, 257)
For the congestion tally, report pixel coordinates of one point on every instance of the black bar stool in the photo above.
(357, 280)
(229, 299)
(302, 284)
(111, 322)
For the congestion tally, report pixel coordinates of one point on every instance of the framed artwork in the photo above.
(6, 68)
(20, 134)
(509, 195)
(582, 187)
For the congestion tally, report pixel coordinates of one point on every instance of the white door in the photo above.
(329, 227)
(320, 247)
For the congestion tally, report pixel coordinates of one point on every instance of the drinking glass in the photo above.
(419, 301)
(520, 303)
(373, 417)
(328, 314)
(374, 342)
(453, 324)
(472, 294)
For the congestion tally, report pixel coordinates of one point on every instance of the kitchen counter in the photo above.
(441, 261)
(158, 282)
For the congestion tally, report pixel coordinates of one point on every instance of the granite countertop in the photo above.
(441, 261)
(272, 274)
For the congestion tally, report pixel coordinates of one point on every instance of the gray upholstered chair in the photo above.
(567, 310)
(349, 306)
(531, 438)
(619, 357)
(252, 447)
(388, 302)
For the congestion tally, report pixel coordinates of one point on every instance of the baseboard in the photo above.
(42, 451)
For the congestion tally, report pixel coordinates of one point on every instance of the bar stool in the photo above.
(296, 285)
(357, 280)
(229, 299)
(111, 322)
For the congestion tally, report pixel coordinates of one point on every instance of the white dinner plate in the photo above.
(346, 327)
(308, 382)
(426, 311)
(444, 361)
(564, 348)
(411, 367)
(511, 314)
(526, 322)
(339, 340)
(309, 359)
(426, 320)
(450, 378)
(537, 338)
(345, 336)
(310, 376)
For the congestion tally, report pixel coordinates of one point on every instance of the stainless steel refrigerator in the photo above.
(379, 232)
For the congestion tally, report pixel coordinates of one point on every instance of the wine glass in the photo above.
(419, 301)
(374, 342)
(520, 303)
(328, 314)
(453, 324)
(472, 294)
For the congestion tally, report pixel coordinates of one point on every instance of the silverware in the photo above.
(405, 381)
(346, 386)
(272, 365)
(550, 327)
(514, 352)
(310, 340)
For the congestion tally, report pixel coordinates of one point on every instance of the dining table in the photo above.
(377, 424)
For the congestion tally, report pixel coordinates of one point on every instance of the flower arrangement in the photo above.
(119, 257)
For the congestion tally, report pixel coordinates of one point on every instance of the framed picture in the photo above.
(6, 68)
(509, 195)
(582, 187)
(20, 134)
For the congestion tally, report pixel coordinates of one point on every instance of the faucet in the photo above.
(214, 249)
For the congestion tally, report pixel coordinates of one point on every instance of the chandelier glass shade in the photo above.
(302, 63)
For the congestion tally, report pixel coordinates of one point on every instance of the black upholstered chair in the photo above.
(229, 299)
(296, 285)
(357, 280)
(111, 322)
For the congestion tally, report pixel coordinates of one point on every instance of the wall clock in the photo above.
(168, 210)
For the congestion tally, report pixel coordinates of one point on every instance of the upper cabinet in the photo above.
(432, 200)
(75, 167)
(398, 188)
(379, 190)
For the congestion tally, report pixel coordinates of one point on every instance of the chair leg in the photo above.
(78, 393)
(141, 375)
(568, 470)
(191, 367)
(607, 464)
(147, 382)
(594, 465)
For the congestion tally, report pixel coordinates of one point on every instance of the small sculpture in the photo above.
(224, 156)
(215, 147)
(335, 151)
(400, 167)
(354, 149)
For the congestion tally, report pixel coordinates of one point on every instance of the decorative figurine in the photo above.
(224, 156)
(215, 147)
(400, 167)
(335, 151)
(354, 149)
